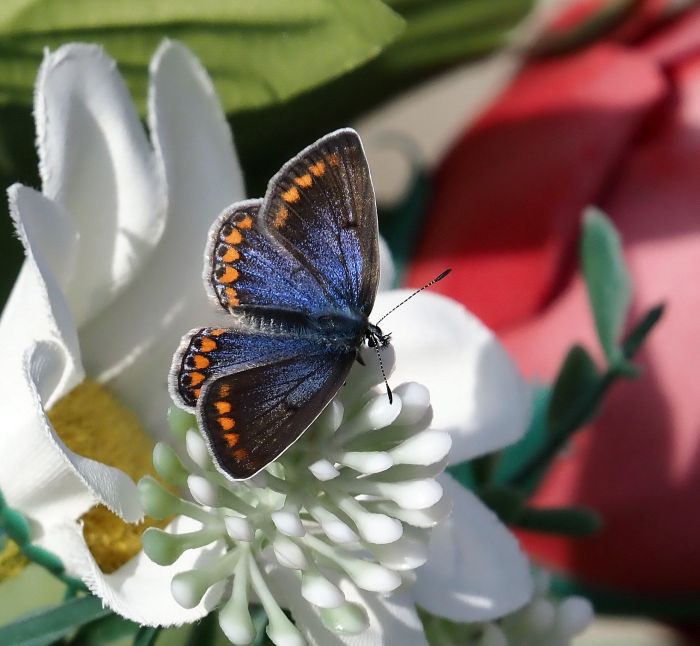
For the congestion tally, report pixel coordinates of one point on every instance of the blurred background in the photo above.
(490, 125)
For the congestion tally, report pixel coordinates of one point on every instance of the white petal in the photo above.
(476, 391)
(106, 484)
(37, 308)
(35, 476)
(475, 570)
(38, 341)
(96, 162)
(140, 590)
(392, 619)
(203, 176)
(45, 227)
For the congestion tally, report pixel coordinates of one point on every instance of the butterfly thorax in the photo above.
(335, 329)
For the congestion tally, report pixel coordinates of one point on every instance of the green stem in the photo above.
(579, 413)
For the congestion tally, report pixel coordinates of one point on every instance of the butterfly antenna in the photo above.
(437, 279)
(381, 367)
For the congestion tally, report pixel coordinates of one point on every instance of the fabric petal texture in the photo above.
(140, 590)
(96, 162)
(476, 570)
(196, 155)
(476, 391)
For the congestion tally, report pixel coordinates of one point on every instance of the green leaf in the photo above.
(146, 636)
(563, 521)
(577, 377)
(640, 331)
(47, 625)
(259, 52)
(104, 630)
(607, 280)
(444, 31)
(506, 502)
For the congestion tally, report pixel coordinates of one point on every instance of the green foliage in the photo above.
(577, 376)
(563, 521)
(50, 624)
(258, 51)
(146, 636)
(444, 31)
(443, 632)
(607, 280)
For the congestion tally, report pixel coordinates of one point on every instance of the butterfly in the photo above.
(298, 273)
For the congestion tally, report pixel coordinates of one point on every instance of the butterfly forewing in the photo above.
(245, 268)
(252, 416)
(321, 207)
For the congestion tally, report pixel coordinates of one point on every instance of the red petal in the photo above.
(509, 196)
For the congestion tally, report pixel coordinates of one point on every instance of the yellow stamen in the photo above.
(94, 423)
(12, 561)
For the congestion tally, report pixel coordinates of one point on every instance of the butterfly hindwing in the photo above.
(252, 416)
(207, 352)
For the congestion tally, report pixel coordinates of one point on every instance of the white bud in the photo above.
(367, 462)
(415, 400)
(288, 553)
(323, 470)
(239, 529)
(425, 448)
(288, 522)
(319, 591)
(203, 491)
(573, 616)
(411, 494)
(197, 449)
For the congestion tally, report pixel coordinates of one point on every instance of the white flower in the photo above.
(112, 280)
(541, 622)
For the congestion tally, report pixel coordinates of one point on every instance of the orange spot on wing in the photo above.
(206, 344)
(245, 223)
(317, 169)
(305, 181)
(334, 159)
(230, 275)
(231, 297)
(235, 237)
(240, 454)
(282, 215)
(196, 378)
(231, 255)
(200, 361)
(222, 407)
(292, 195)
(231, 439)
(224, 390)
(226, 423)
(196, 392)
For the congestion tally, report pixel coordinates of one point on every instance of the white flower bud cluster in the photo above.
(542, 622)
(356, 496)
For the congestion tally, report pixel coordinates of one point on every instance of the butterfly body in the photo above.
(297, 271)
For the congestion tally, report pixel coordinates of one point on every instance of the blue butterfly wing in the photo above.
(208, 352)
(310, 246)
(253, 414)
(321, 207)
(292, 269)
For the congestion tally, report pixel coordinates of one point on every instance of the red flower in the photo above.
(617, 126)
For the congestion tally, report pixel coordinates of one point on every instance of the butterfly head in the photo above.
(375, 337)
